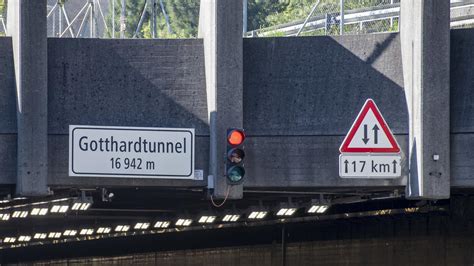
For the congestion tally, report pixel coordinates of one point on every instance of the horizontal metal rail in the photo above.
(462, 14)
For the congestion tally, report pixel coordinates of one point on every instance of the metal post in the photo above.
(79, 32)
(245, 6)
(308, 17)
(283, 246)
(167, 18)
(341, 26)
(4, 26)
(91, 22)
(54, 24)
(60, 21)
(69, 24)
(113, 19)
(153, 18)
(122, 21)
(142, 18)
(391, 18)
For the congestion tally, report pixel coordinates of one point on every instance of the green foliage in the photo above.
(276, 34)
(2, 7)
(259, 11)
(183, 17)
(394, 26)
(318, 32)
(299, 9)
(352, 4)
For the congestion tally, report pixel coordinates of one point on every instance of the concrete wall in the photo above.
(146, 83)
(8, 127)
(462, 108)
(301, 96)
(383, 251)
(410, 239)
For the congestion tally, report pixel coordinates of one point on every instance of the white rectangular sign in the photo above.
(131, 152)
(369, 165)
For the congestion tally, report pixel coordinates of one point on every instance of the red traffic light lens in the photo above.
(235, 137)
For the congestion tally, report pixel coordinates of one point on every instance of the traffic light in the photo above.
(235, 171)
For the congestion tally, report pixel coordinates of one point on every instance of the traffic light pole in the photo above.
(220, 26)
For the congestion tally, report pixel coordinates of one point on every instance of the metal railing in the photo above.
(95, 19)
(382, 16)
(99, 18)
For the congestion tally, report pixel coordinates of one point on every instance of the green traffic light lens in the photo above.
(235, 174)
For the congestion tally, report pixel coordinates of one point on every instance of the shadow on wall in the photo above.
(310, 89)
(8, 126)
(149, 83)
(141, 83)
(317, 85)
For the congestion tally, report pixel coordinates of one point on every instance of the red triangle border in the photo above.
(369, 104)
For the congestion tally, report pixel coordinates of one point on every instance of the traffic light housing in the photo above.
(234, 170)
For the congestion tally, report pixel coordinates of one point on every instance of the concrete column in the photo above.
(27, 26)
(220, 26)
(425, 38)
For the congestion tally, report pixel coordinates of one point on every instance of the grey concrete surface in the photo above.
(461, 81)
(305, 161)
(7, 88)
(302, 126)
(317, 85)
(8, 159)
(425, 39)
(27, 26)
(462, 162)
(220, 26)
(150, 83)
(8, 127)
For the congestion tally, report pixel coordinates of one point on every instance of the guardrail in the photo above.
(462, 15)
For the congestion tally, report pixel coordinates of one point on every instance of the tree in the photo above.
(183, 18)
(259, 11)
(3, 6)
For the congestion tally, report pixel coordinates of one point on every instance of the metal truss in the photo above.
(87, 15)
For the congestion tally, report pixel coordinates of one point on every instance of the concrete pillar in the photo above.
(425, 38)
(220, 26)
(27, 26)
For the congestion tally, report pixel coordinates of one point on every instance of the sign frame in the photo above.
(380, 162)
(75, 173)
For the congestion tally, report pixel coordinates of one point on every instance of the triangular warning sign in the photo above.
(370, 133)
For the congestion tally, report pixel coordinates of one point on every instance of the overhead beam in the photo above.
(425, 39)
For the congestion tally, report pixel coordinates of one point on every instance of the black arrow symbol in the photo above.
(376, 131)
(346, 163)
(394, 166)
(365, 139)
